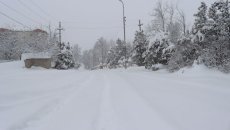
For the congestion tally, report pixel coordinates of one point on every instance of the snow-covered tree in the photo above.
(140, 46)
(8, 46)
(174, 31)
(100, 49)
(65, 58)
(117, 55)
(167, 20)
(200, 18)
(87, 59)
(111, 59)
(159, 52)
(76, 55)
(185, 54)
(217, 37)
(17, 42)
(182, 21)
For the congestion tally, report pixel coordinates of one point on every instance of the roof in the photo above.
(35, 30)
(4, 30)
(40, 31)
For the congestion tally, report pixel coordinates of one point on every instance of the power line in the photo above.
(18, 12)
(93, 28)
(26, 6)
(16, 21)
(41, 9)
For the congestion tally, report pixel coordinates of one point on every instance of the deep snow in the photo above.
(135, 99)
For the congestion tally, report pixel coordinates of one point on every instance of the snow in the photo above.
(41, 55)
(134, 99)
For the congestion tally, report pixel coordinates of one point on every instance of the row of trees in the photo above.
(208, 43)
(168, 43)
(151, 47)
(106, 53)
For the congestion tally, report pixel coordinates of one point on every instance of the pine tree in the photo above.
(217, 34)
(200, 18)
(65, 58)
(117, 55)
(185, 54)
(159, 52)
(111, 59)
(140, 46)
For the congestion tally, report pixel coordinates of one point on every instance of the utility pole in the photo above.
(50, 32)
(124, 20)
(140, 24)
(60, 29)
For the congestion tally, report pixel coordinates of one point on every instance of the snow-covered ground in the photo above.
(133, 99)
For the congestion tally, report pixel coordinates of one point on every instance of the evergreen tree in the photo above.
(200, 18)
(65, 58)
(117, 55)
(111, 59)
(216, 53)
(185, 54)
(140, 46)
(159, 53)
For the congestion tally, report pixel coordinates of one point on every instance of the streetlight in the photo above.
(124, 20)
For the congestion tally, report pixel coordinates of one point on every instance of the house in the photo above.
(16, 42)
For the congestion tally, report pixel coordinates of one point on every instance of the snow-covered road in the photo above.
(133, 99)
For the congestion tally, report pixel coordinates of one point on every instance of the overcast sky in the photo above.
(85, 21)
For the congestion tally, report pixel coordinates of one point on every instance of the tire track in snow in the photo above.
(32, 96)
(156, 107)
(132, 110)
(107, 117)
(78, 112)
(55, 102)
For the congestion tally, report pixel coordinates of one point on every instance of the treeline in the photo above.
(168, 43)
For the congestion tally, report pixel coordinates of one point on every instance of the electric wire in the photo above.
(28, 8)
(41, 9)
(16, 21)
(16, 11)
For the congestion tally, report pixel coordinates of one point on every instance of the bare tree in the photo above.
(160, 14)
(76, 53)
(182, 20)
(171, 12)
(101, 49)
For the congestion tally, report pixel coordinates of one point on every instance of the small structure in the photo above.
(37, 59)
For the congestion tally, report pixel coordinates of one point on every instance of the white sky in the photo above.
(85, 21)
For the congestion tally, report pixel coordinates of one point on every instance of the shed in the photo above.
(37, 59)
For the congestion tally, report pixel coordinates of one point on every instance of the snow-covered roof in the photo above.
(41, 55)
(35, 30)
(4, 30)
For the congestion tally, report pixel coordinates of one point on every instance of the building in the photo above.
(13, 43)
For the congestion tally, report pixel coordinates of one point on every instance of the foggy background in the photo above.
(85, 21)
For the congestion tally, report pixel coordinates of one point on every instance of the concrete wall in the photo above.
(45, 63)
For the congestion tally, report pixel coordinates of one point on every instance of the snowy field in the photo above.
(133, 99)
